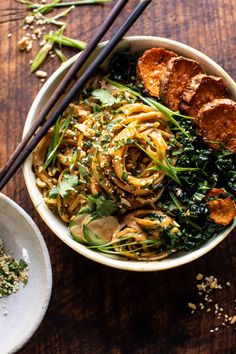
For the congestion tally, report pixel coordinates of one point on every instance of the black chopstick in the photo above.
(75, 89)
(65, 82)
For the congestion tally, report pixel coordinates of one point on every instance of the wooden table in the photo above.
(95, 309)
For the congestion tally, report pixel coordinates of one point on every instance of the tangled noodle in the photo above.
(108, 150)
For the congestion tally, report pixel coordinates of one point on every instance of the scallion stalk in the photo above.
(60, 55)
(41, 56)
(46, 8)
(151, 102)
(66, 41)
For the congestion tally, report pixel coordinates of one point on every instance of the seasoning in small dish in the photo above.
(12, 272)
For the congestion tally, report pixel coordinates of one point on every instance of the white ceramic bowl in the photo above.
(26, 308)
(137, 43)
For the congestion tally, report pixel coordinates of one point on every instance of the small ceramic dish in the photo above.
(22, 312)
(134, 44)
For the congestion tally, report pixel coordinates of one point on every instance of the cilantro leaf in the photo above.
(99, 206)
(53, 193)
(67, 184)
(104, 206)
(104, 96)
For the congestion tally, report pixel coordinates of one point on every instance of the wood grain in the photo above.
(95, 309)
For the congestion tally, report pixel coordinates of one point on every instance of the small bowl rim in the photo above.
(48, 271)
(139, 266)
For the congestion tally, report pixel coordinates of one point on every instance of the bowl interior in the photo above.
(134, 44)
(26, 308)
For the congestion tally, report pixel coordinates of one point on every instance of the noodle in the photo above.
(107, 152)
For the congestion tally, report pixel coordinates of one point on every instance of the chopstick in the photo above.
(71, 74)
(27, 146)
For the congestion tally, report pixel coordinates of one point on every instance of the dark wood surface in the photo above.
(95, 309)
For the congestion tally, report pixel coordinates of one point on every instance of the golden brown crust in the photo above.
(216, 122)
(175, 78)
(222, 208)
(150, 68)
(200, 90)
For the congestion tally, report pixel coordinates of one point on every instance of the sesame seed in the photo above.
(12, 273)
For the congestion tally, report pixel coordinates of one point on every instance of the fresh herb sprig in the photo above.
(104, 96)
(68, 184)
(99, 206)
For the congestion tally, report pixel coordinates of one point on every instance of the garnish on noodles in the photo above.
(129, 176)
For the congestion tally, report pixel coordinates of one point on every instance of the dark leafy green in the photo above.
(123, 67)
(187, 203)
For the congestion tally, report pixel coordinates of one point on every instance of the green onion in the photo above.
(66, 41)
(109, 246)
(41, 56)
(60, 55)
(151, 102)
(63, 13)
(54, 19)
(175, 200)
(74, 159)
(56, 140)
(46, 8)
(168, 169)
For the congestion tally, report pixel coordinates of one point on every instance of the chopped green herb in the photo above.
(125, 176)
(99, 206)
(68, 183)
(104, 96)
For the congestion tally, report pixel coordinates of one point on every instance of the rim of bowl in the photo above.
(55, 226)
(48, 271)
